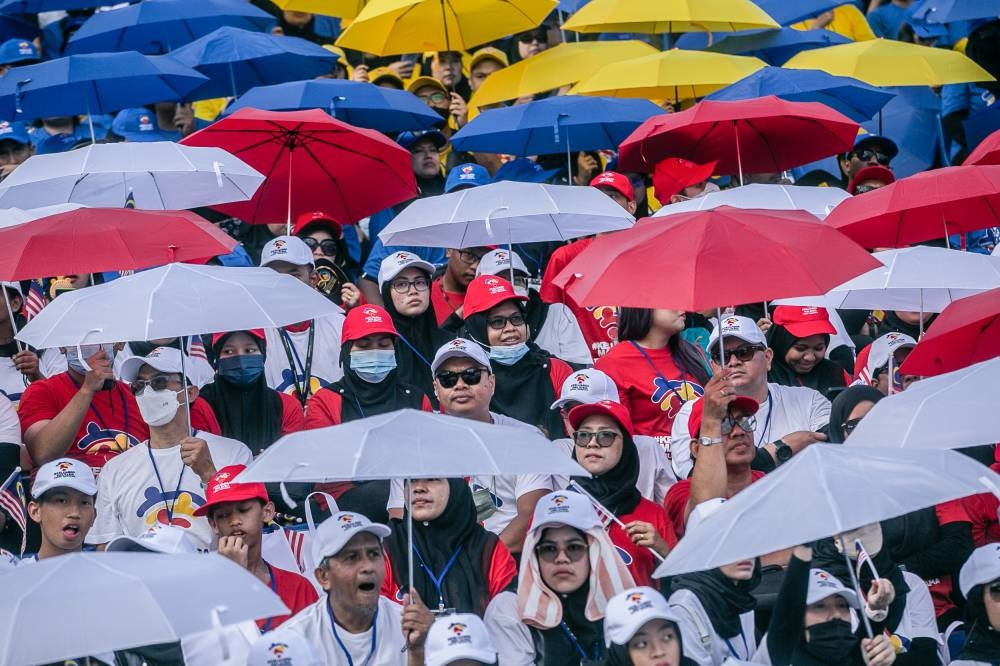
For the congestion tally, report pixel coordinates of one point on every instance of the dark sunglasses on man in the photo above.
(449, 378)
(866, 154)
(743, 353)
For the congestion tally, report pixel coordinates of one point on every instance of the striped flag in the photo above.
(130, 200)
(36, 298)
(863, 559)
(196, 349)
(12, 500)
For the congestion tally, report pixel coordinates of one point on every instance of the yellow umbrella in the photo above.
(559, 66)
(886, 62)
(341, 8)
(660, 16)
(673, 75)
(389, 27)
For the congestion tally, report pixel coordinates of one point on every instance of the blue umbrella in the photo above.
(947, 11)
(13, 28)
(35, 6)
(360, 104)
(855, 99)
(237, 60)
(157, 26)
(555, 125)
(92, 84)
(775, 47)
(786, 13)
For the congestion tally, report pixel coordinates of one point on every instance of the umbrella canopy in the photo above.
(787, 13)
(156, 176)
(437, 446)
(555, 125)
(887, 62)
(673, 75)
(157, 26)
(176, 300)
(774, 47)
(347, 9)
(987, 152)
(354, 102)
(155, 599)
(237, 60)
(765, 135)
(36, 6)
(312, 163)
(668, 16)
(503, 213)
(922, 207)
(817, 201)
(834, 489)
(94, 240)
(93, 84)
(947, 11)
(553, 68)
(717, 257)
(856, 100)
(386, 27)
(966, 332)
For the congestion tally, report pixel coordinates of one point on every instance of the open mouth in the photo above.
(367, 587)
(71, 532)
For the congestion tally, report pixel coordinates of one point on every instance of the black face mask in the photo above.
(831, 641)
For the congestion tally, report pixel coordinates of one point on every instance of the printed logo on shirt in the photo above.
(624, 554)
(277, 651)
(287, 384)
(99, 440)
(153, 509)
(671, 394)
(458, 636)
(638, 602)
(607, 318)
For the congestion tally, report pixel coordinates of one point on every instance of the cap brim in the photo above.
(89, 489)
(749, 405)
(847, 594)
(421, 264)
(131, 366)
(457, 353)
(622, 634)
(378, 529)
(127, 544)
(582, 412)
(231, 496)
(452, 655)
(806, 328)
(567, 519)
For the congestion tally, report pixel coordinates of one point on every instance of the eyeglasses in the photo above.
(157, 383)
(605, 438)
(469, 257)
(746, 423)
(849, 425)
(499, 322)
(471, 376)
(866, 154)
(535, 36)
(744, 353)
(861, 189)
(548, 552)
(434, 98)
(327, 246)
(402, 285)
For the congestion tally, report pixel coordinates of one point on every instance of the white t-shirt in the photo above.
(561, 336)
(510, 635)
(130, 498)
(655, 473)
(313, 623)
(50, 362)
(10, 425)
(919, 620)
(325, 368)
(701, 643)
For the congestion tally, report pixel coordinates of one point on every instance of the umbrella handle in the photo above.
(489, 225)
(79, 351)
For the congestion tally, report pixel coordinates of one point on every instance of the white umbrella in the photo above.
(504, 213)
(11, 217)
(948, 411)
(90, 603)
(159, 175)
(826, 489)
(816, 200)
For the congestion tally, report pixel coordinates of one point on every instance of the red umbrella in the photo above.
(93, 240)
(966, 332)
(712, 258)
(763, 135)
(928, 205)
(987, 152)
(312, 163)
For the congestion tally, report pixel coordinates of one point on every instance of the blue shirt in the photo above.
(887, 20)
(434, 255)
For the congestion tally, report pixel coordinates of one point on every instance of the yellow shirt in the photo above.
(847, 21)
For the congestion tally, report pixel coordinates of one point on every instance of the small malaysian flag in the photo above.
(196, 349)
(863, 559)
(36, 299)
(130, 200)
(13, 501)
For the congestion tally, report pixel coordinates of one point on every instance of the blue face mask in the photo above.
(242, 370)
(373, 365)
(509, 355)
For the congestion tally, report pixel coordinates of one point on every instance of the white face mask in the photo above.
(521, 291)
(158, 407)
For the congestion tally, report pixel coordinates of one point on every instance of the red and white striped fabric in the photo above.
(14, 502)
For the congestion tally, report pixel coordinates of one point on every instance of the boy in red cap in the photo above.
(238, 513)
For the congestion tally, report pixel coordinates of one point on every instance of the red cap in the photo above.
(748, 405)
(673, 174)
(486, 292)
(222, 489)
(252, 332)
(803, 321)
(615, 410)
(318, 219)
(874, 172)
(367, 320)
(615, 181)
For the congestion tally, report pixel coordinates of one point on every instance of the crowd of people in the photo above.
(138, 446)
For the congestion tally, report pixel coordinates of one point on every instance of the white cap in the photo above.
(744, 328)
(702, 511)
(823, 584)
(290, 249)
(497, 262)
(64, 473)
(16, 286)
(587, 386)
(627, 611)
(883, 347)
(460, 348)
(166, 539)
(459, 636)
(282, 647)
(334, 533)
(982, 567)
(564, 507)
(164, 359)
(397, 262)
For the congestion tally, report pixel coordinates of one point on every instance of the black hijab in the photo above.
(723, 598)
(616, 489)
(466, 586)
(827, 557)
(982, 642)
(825, 375)
(360, 399)
(845, 403)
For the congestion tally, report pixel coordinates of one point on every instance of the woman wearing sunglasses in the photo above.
(799, 338)
(336, 268)
(980, 583)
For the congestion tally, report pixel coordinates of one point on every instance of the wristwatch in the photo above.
(709, 441)
(783, 452)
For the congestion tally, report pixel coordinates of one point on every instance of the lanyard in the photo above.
(357, 403)
(579, 648)
(414, 350)
(340, 643)
(159, 481)
(746, 648)
(274, 588)
(765, 432)
(438, 581)
(295, 363)
(660, 374)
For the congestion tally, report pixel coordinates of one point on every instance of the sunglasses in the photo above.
(534, 36)
(499, 322)
(746, 423)
(403, 285)
(866, 154)
(157, 383)
(449, 378)
(469, 257)
(548, 552)
(744, 353)
(605, 438)
(434, 97)
(849, 425)
(328, 246)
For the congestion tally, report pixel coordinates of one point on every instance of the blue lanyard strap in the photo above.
(159, 481)
(274, 588)
(746, 648)
(666, 382)
(438, 581)
(576, 643)
(414, 350)
(340, 643)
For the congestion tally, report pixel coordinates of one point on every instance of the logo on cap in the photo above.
(731, 321)
(64, 466)
(402, 256)
(458, 344)
(222, 476)
(558, 503)
(638, 602)
(278, 649)
(500, 255)
(458, 636)
(64, 470)
(495, 286)
(809, 310)
(348, 521)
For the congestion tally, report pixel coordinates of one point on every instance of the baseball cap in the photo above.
(823, 585)
(58, 143)
(523, 170)
(611, 408)
(466, 175)
(397, 262)
(290, 249)
(627, 611)
(488, 53)
(408, 139)
(383, 74)
(926, 30)
(673, 174)
(166, 539)
(876, 355)
(460, 348)
(333, 533)
(64, 473)
(880, 143)
(874, 172)
(486, 292)
(587, 386)
(18, 52)
(224, 488)
(982, 567)
(735, 326)
(282, 647)
(339, 52)
(424, 81)
(455, 637)
(367, 320)
(803, 320)
(138, 125)
(252, 332)
(320, 220)
(565, 507)
(742, 402)
(14, 131)
(164, 359)
(615, 181)
(497, 262)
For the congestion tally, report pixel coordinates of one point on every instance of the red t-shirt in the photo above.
(599, 325)
(295, 591)
(445, 303)
(203, 418)
(324, 409)
(292, 418)
(641, 563)
(653, 391)
(677, 498)
(111, 425)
